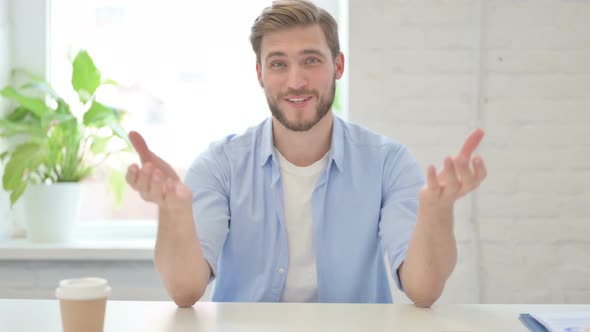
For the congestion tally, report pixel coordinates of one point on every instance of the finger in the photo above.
(146, 155)
(452, 185)
(144, 179)
(479, 169)
(431, 179)
(466, 176)
(162, 165)
(140, 146)
(156, 186)
(441, 175)
(131, 176)
(471, 143)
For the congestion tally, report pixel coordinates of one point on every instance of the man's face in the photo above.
(299, 75)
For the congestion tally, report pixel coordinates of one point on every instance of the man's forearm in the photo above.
(432, 251)
(179, 258)
(431, 256)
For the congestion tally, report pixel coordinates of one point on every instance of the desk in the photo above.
(43, 315)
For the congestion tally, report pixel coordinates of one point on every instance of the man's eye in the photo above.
(277, 65)
(312, 60)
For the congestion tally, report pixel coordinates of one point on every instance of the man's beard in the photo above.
(324, 106)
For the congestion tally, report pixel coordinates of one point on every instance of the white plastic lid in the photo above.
(83, 289)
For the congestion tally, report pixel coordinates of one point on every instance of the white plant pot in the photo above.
(52, 211)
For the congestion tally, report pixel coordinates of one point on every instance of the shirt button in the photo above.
(281, 270)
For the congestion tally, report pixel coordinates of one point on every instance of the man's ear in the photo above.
(339, 65)
(259, 74)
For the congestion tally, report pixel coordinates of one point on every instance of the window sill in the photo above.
(93, 241)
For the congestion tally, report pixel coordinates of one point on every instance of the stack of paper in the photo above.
(557, 321)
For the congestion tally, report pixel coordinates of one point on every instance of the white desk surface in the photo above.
(43, 315)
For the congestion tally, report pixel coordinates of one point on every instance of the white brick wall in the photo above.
(413, 77)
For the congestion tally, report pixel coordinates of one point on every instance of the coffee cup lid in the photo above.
(83, 289)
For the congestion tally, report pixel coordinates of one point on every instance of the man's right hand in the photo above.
(155, 180)
(178, 255)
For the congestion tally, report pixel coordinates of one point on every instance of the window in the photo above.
(186, 72)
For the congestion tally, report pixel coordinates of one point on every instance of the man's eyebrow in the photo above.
(275, 53)
(314, 52)
(304, 52)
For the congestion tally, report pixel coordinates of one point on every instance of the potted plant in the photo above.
(54, 145)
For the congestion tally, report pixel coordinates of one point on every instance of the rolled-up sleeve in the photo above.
(402, 180)
(208, 179)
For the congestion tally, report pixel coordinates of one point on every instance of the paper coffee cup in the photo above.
(82, 303)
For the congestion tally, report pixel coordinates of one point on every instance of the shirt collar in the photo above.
(266, 143)
(336, 149)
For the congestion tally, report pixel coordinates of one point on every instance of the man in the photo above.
(303, 206)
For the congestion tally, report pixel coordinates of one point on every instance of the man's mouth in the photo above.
(298, 99)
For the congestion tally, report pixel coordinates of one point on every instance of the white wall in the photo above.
(5, 42)
(5, 66)
(414, 76)
(130, 280)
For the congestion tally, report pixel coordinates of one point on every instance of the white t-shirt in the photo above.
(298, 186)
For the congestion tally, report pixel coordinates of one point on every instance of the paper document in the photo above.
(558, 321)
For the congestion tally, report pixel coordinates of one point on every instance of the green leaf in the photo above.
(4, 155)
(64, 147)
(83, 173)
(9, 128)
(71, 124)
(85, 76)
(99, 144)
(76, 174)
(13, 174)
(54, 119)
(35, 105)
(54, 150)
(117, 186)
(99, 115)
(18, 114)
(62, 107)
(25, 157)
(17, 193)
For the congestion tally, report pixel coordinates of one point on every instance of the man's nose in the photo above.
(297, 79)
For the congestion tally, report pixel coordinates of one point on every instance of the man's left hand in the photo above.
(459, 176)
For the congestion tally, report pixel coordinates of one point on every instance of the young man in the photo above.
(303, 206)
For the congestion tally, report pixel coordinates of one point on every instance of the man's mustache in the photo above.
(291, 92)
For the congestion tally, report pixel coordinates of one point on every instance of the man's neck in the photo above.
(303, 148)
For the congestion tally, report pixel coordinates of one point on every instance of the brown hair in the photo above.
(290, 13)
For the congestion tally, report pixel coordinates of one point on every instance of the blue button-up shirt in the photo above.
(364, 206)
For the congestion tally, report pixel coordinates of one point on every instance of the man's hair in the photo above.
(283, 14)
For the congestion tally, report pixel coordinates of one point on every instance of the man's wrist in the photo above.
(436, 218)
(176, 212)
